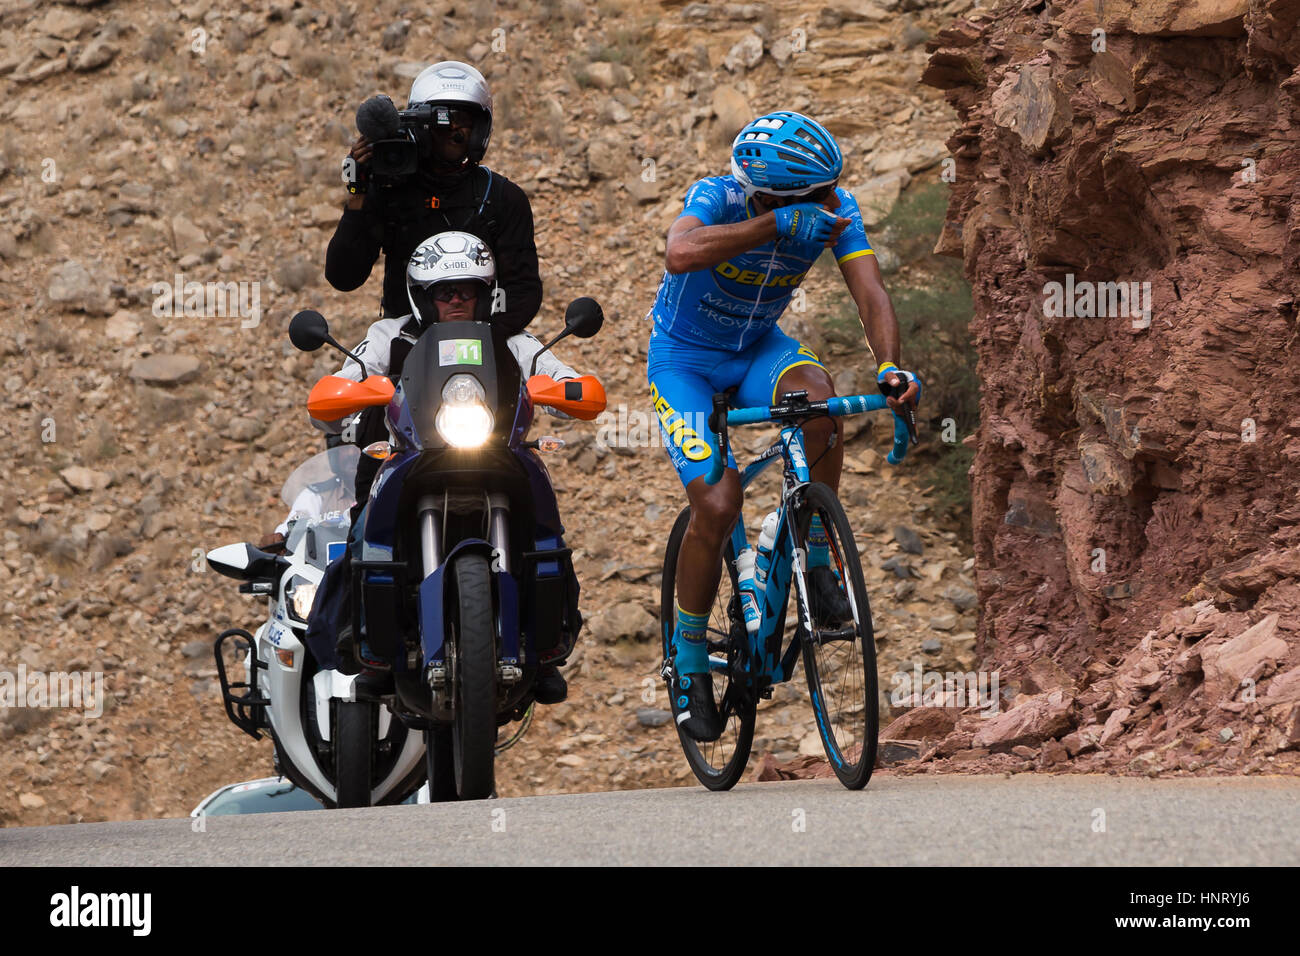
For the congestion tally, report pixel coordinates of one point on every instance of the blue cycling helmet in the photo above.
(785, 154)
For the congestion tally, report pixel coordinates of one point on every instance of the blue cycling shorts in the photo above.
(684, 378)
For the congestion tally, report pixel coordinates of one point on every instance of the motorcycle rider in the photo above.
(451, 190)
(450, 278)
(741, 246)
(312, 502)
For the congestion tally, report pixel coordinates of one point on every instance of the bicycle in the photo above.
(746, 667)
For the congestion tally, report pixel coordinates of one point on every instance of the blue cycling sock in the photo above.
(689, 640)
(819, 548)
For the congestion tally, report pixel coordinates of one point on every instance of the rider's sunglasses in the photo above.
(820, 194)
(452, 293)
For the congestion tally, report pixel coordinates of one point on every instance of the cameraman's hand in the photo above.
(361, 150)
(360, 154)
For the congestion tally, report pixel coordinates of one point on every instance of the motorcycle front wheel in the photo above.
(353, 732)
(439, 764)
(475, 731)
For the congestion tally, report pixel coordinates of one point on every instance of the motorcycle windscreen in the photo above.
(328, 476)
(459, 348)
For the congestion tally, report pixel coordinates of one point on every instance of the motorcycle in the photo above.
(343, 749)
(461, 585)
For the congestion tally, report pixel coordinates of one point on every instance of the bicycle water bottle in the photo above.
(763, 561)
(748, 593)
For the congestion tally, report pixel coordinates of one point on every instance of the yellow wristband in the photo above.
(885, 365)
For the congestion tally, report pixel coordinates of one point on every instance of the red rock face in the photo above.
(1132, 451)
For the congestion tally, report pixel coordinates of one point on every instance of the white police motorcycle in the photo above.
(345, 751)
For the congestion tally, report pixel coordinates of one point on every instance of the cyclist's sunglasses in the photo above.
(820, 194)
(465, 292)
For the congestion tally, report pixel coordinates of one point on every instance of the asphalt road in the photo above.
(917, 820)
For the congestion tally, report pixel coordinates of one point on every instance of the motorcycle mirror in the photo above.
(583, 317)
(308, 330)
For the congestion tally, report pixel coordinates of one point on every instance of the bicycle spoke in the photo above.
(718, 764)
(840, 659)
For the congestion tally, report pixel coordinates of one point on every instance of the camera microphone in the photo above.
(377, 119)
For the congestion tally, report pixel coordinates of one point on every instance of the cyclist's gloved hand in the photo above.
(898, 387)
(806, 221)
(902, 390)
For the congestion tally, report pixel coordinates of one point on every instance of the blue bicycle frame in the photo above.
(767, 662)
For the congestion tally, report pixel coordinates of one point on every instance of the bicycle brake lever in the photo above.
(909, 413)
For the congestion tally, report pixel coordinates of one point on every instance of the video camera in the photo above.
(400, 139)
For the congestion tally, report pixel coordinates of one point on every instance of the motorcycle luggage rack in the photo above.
(246, 710)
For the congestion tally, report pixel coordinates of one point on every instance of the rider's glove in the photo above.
(907, 378)
(805, 221)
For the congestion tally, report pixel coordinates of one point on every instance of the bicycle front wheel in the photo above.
(839, 655)
(718, 764)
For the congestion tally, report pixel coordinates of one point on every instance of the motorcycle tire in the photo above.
(353, 732)
(475, 724)
(438, 764)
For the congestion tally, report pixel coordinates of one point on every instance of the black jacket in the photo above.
(397, 219)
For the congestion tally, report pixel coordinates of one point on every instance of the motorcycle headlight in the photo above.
(464, 420)
(300, 593)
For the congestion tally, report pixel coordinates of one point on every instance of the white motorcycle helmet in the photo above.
(458, 85)
(449, 257)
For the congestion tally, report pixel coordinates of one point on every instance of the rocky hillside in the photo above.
(1135, 513)
(201, 139)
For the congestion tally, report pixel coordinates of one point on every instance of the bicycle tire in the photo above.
(720, 764)
(837, 692)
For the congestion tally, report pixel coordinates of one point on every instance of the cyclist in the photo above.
(741, 246)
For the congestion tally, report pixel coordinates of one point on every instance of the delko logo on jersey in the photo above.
(750, 277)
(687, 439)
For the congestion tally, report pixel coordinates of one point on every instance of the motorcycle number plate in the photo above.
(460, 352)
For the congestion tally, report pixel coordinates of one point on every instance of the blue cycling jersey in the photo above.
(736, 302)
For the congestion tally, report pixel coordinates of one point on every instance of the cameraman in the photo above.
(448, 191)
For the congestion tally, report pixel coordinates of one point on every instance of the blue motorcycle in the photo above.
(461, 584)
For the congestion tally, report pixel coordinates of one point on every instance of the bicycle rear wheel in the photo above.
(718, 764)
(840, 660)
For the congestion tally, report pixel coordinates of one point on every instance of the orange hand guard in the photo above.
(335, 397)
(582, 397)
